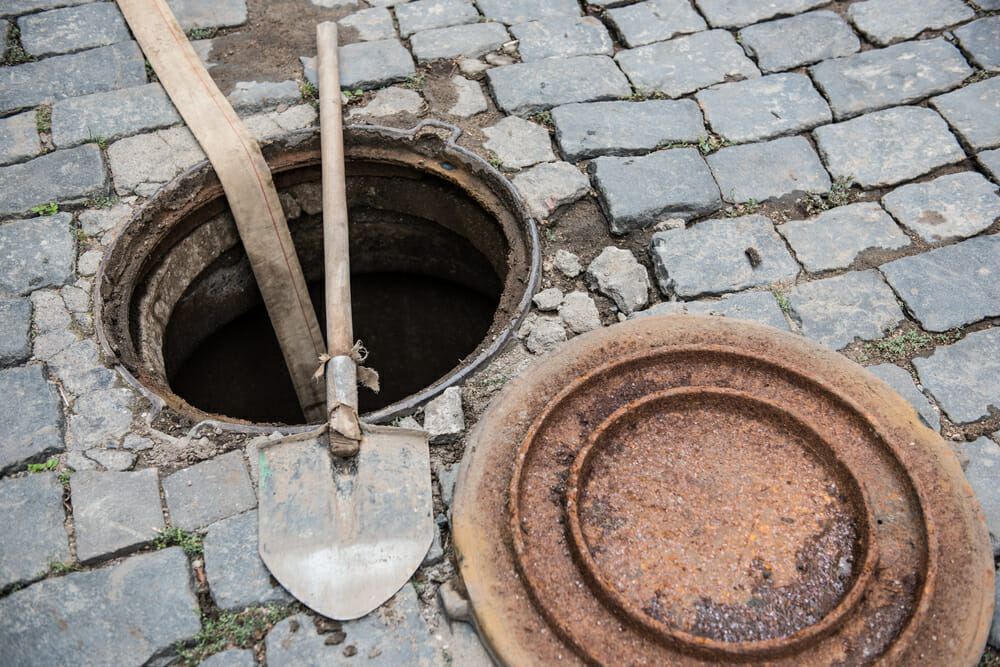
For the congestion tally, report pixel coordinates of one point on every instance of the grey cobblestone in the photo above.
(31, 419)
(80, 369)
(891, 76)
(528, 87)
(974, 112)
(444, 420)
(192, 14)
(835, 311)
(562, 36)
(72, 29)
(15, 329)
(951, 207)
(112, 115)
(101, 417)
(237, 577)
(63, 176)
(518, 142)
(31, 522)
(429, 14)
(230, 658)
(520, 11)
(760, 307)
(981, 39)
(549, 186)
(887, 147)
(548, 299)
(624, 128)
(545, 335)
(738, 13)
(618, 275)
(951, 286)
(768, 170)
(143, 163)
(711, 257)
(368, 25)
(654, 21)
(469, 98)
(115, 460)
(390, 102)
(964, 377)
(685, 64)
(209, 491)
(887, 21)
(36, 253)
(92, 71)
(765, 107)
(114, 512)
(16, 7)
(902, 384)
(990, 161)
(984, 465)
(833, 239)
(368, 65)
(631, 193)
(579, 313)
(799, 40)
(248, 96)
(470, 40)
(18, 138)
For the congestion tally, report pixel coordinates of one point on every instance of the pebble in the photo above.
(618, 275)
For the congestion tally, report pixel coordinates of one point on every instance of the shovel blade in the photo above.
(343, 536)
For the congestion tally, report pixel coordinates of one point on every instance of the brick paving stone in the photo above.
(62, 176)
(618, 275)
(631, 192)
(141, 164)
(974, 112)
(902, 383)
(520, 11)
(685, 64)
(368, 25)
(31, 418)
(72, 29)
(654, 21)
(398, 635)
(114, 512)
(982, 471)
(36, 253)
(112, 115)
(549, 186)
(964, 377)
(209, 491)
(237, 577)
(951, 286)
(92, 71)
(15, 331)
(981, 40)
(951, 207)
(891, 76)
(19, 138)
(887, 21)
(799, 40)
(834, 239)
(529, 87)
(16, 7)
(760, 307)
(990, 161)
(127, 614)
(887, 147)
(192, 14)
(762, 108)
(711, 257)
(101, 416)
(835, 311)
(369, 65)
(624, 128)
(518, 142)
(31, 522)
(429, 14)
(738, 13)
(768, 170)
(469, 40)
(562, 36)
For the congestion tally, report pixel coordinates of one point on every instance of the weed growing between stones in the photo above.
(543, 118)
(746, 208)
(201, 33)
(222, 630)
(16, 54)
(783, 302)
(43, 119)
(711, 143)
(642, 94)
(58, 569)
(353, 95)
(99, 140)
(100, 202)
(415, 82)
(903, 344)
(309, 93)
(839, 195)
(978, 75)
(190, 542)
(46, 209)
(43, 467)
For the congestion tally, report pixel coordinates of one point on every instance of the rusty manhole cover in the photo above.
(686, 490)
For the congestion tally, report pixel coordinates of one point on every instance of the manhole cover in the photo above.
(687, 490)
(444, 260)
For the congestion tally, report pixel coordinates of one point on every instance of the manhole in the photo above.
(444, 260)
(689, 490)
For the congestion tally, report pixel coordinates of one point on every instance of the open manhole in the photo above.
(444, 260)
(693, 490)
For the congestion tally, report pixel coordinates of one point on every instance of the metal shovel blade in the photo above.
(344, 535)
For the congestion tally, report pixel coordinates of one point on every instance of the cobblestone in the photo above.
(711, 257)
(209, 491)
(579, 313)
(737, 13)
(974, 112)
(768, 170)
(951, 207)
(31, 419)
(799, 40)
(984, 466)
(762, 108)
(80, 370)
(100, 417)
(16, 7)
(368, 65)
(549, 186)
(115, 460)
(469, 98)
(114, 512)
(112, 115)
(951, 286)
(529, 87)
(193, 14)
(18, 138)
(654, 21)
(544, 334)
(562, 36)
(70, 175)
(981, 39)
(444, 420)
(685, 64)
(887, 21)
(518, 143)
(887, 147)
(520, 11)
(15, 330)
(618, 275)
(624, 128)
(902, 383)
(36, 253)
(990, 161)
(31, 521)
(72, 29)
(237, 577)
(631, 193)
(368, 25)
(834, 239)
(964, 377)
(760, 307)
(230, 658)
(835, 311)
(248, 96)
(469, 40)
(891, 76)
(390, 102)
(143, 163)
(429, 14)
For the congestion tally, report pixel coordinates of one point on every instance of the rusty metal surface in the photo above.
(689, 490)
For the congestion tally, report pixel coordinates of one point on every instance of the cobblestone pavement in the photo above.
(829, 168)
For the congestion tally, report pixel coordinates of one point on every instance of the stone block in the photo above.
(546, 335)
(16, 7)
(631, 191)
(115, 460)
(964, 377)
(518, 142)
(374, 64)
(833, 239)
(101, 416)
(70, 175)
(800, 40)
(685, 64)
(114, 512)
(981, 40)
(990, 161)
(469, 99)
(974, 112)
(468, 40)
(250, 96)
(625, 128)
(902, 384)
(525, 88)
(579, 313)
(738, 13)
(951, 286)
(889, 77)
(193, 14)
(444, 420)
(760, 307)
(368, 25)
(209, 491)
(429, 14)
(887, 21)
(112, 115)
(712, 257)
(19, 138)
(768, 170)
(143, 163)
(15, 331)
(618, 275)
(32, 524)
(765, 107)
(233, 657)
(520, 11)
(835, 311)
(549, 186)
(887, 147)
(984, 466)
(237, 577)
(562, 36)
(951, 207)
(388, 102)
(654, 21)
(31, 418)
(72, 29)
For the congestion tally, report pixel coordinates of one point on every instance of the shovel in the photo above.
(345, 513)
